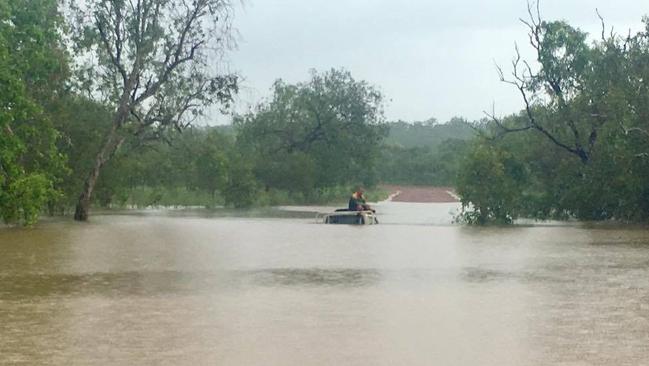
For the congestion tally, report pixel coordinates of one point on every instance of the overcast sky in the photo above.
(430, 58)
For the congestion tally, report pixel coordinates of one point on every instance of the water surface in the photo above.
(198, 287)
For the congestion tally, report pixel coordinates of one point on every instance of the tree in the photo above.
(149, 60)
(82, 124)
(211, 163)
(489, 183)
(565, 82)
(584, 101)
(241, 187)
(33, 68)
(331, 122)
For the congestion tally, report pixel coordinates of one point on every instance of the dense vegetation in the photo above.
(580, 147)
(424, 153)
(114, 125)
(151, 64)
(264, 158)
(33, 68)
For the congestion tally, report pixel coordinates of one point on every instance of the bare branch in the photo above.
(177, 55)
(504, 128)
(115, 56)
(601, 19)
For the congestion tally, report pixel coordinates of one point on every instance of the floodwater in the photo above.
(200, 288)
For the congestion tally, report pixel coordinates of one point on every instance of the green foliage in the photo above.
(82, 123)
(152, 60)
(294, 173)
(32, 68)
(322, 133)
(489, 183)
(428, 134)
(436, 166)
(24, 198)
(581, 145)
(211, 163)
(199, 167)
(191, 169)
(152, 65)
(424, 153)
(563, 55)
(241, 188)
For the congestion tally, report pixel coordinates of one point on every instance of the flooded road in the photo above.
(174, 288)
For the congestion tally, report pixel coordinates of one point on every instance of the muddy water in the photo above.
(189, 288)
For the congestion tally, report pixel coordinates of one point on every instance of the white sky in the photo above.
(429, 58)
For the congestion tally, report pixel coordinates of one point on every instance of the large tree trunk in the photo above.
(83, 205)
(110, 147)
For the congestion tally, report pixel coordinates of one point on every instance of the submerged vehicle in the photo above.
(343, 216)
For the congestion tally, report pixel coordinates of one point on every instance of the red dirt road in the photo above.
(421, 194)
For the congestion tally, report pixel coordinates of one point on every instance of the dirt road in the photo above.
(421, 194)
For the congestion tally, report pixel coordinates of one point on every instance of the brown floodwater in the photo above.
(275, 288)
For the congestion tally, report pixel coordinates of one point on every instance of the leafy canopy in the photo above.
(33, 67)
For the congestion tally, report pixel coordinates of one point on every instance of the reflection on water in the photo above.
(233, 288)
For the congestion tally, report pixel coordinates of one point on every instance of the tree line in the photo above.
(100, 101)
(424, 153)
(283, 152)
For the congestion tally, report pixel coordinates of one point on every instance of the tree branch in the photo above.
(115, 56)
(178, 58)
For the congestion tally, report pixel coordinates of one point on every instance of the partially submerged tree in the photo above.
(582, 137)
(500, 175)
(567, 92)
(154, 62)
